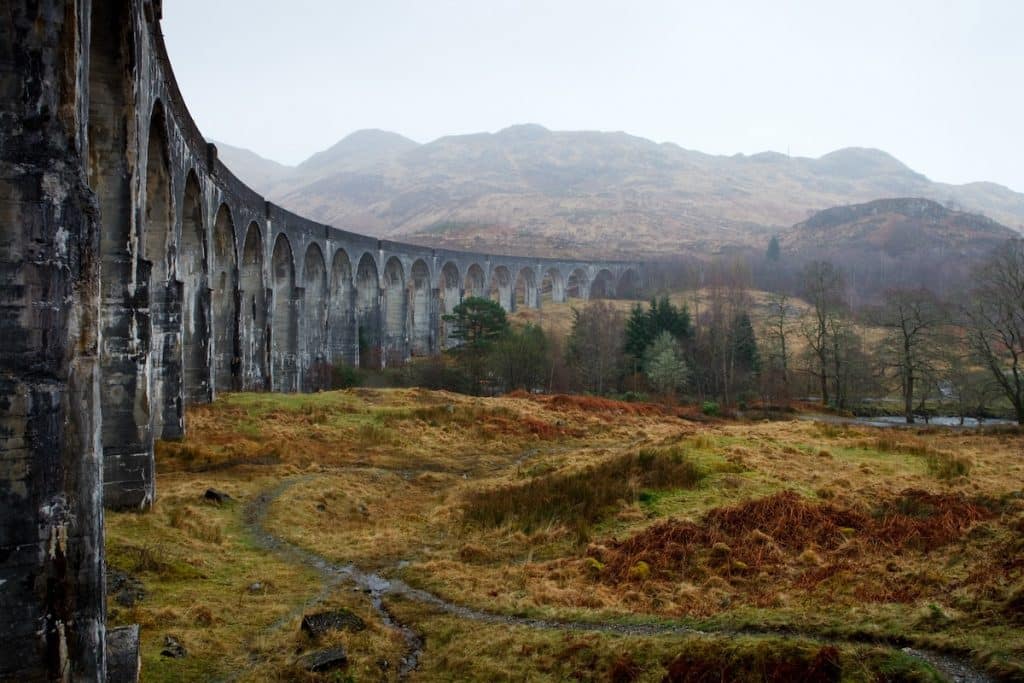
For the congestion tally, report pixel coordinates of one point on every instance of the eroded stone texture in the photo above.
(51, 522)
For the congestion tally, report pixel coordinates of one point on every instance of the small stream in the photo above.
(376, 587)
(900, 421)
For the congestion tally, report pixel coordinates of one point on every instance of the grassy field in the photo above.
(574, 537)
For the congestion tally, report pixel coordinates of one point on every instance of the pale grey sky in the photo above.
(939, 84)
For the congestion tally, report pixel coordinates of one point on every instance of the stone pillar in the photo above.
(51, 518)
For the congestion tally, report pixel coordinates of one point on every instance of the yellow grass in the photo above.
(386, 479)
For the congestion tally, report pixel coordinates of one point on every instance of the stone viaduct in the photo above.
(138, 276)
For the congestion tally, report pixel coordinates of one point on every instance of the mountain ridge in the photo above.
(589, 192)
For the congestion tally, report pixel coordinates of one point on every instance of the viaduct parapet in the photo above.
(138, 276)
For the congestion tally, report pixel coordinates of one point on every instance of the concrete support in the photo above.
(51, 520)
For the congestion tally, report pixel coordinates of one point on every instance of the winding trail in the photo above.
(377, 587)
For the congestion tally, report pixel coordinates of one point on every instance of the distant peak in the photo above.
(862, 161)
(375, 135)
(362, 146)
(524, 131)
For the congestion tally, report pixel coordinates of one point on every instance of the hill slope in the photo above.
(893, 242)
(528, 188)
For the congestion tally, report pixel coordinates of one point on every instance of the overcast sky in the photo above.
(938, 84)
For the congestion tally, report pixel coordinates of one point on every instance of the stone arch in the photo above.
(628, 285)
(224, 302)
(501, 287)
(577, 286)
(395, 312)
(253, 311)
(476, 281)
(126, 434)
(450, 292)
(340, 322)
(525, 293)
(284, 339)
(368, 316)
(603, 286)
(421, 338)
(314, 319)
(552, 286)
(193, 266)
(156, 235)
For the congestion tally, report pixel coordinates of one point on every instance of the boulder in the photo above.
(316, 625)
(173, 648)
(123, 659)
(126, 590)
(324, 660)
(215, 496)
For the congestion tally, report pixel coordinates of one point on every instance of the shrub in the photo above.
(580, 498)
(344, 376)
(710, 408)
(947, 466)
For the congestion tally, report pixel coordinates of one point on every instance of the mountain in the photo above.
(256, 171)
(897, 242)
(529, 189)
(361, 149)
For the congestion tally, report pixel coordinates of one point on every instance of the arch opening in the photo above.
(421, 342)
(501, 287)
(192, 271)
(450, 293)
(628, 285)
(603, 286)
(284, 340)
(577, 286)
(164, 294)
(316, 371)
(476, 281)
(341, 324)
(552, 287)
(525, 295)
(395, 313)
(253, 311)
(224, 303)
(368, 314)
(126, 433)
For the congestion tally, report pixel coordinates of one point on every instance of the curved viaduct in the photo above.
(137, 276)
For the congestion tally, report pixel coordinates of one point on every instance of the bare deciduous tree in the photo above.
(997, 321)
(822, 287)
(912, 319)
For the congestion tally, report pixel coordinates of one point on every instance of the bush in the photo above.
(344, 376)
(947, 466)
(710, 408)
(578, 499)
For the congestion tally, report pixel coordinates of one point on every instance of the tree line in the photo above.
(727, 345)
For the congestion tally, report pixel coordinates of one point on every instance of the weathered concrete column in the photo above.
(51, 517)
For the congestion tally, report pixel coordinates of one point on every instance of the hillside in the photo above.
(903, 241)
(588, 193)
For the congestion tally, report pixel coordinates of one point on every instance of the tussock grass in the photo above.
(940, 463)
(580, 498)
